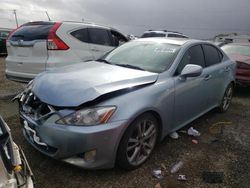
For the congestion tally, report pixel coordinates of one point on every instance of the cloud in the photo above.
(196, 18)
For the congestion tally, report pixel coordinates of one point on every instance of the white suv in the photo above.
(163, 33)
(38, 46)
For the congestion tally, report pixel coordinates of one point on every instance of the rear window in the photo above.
(30, 32)
(153, 34)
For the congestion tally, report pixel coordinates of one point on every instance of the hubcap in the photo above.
(141, 142)
(227, 98)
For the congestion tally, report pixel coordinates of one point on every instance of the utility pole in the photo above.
(14, 11)
(47, 15)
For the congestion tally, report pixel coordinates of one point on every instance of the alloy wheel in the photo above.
(141, 142)
(227, 98)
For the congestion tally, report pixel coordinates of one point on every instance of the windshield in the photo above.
(236, 49)
(148, 56)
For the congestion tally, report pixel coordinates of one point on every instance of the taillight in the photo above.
(54, 42)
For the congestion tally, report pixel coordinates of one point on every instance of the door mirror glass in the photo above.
(191, 70)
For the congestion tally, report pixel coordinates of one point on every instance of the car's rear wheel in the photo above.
(138, 142)
(227, 98)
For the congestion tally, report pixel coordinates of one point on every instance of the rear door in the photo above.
(81, 45)
(100, 41)
(216, 74)
(27, 48)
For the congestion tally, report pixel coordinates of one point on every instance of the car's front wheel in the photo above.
(227, 98)
(138, 142)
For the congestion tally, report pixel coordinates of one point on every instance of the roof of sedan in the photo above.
(177, 41)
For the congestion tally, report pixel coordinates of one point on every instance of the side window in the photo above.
(212, 55)
(171, 35)
(99, 36)
(118, 39)
(81, 34)
(194, 55)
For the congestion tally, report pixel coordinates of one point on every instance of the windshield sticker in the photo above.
(165, 50)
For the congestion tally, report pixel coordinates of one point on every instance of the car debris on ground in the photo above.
(182, 177)
(174, 135)
(176, 167)
(157, 173)
(193, 132)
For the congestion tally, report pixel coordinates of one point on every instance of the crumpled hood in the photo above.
(74, 85)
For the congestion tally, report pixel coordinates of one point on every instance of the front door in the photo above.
(190, 99)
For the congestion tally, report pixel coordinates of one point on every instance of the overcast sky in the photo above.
(196, 18)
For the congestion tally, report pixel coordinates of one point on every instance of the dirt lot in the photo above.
(224, 146)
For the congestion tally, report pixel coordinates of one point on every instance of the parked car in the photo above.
(38, 46)
(115, 109)
(3, 36)
(240, 52)
(163, 33)
(14, 168)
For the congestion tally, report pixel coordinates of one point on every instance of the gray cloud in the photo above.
(196, 18)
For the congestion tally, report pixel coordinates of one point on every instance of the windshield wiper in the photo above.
(104, 61)
(130, 66)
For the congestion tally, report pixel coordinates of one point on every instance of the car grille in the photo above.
(33, 107)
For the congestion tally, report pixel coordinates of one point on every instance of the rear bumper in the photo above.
(19, 77)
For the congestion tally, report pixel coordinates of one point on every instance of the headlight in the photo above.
(90, 116)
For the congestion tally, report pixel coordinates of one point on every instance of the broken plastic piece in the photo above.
(174, 135)
(195, 141)
(193, 132)
(158, 185)
(176, 167)
(157, 174)
(163, 167)
(182, 177)
(183, 131)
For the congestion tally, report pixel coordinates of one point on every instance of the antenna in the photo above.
(14, 11)
(48, 15)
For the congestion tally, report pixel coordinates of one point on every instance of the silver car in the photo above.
(114, 110)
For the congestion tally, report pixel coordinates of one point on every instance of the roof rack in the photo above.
(165, 31)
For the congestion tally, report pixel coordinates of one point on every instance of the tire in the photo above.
(227, 98)
(138, 142)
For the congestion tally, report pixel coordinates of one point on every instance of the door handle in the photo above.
(207, 77)
(227, 69)
(95, 50)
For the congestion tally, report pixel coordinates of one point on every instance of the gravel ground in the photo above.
(224, 146)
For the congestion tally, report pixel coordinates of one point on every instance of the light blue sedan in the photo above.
(114, 110)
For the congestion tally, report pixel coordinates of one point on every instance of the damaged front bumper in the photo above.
(90, 147)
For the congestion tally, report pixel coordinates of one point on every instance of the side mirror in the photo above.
(191, 70)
